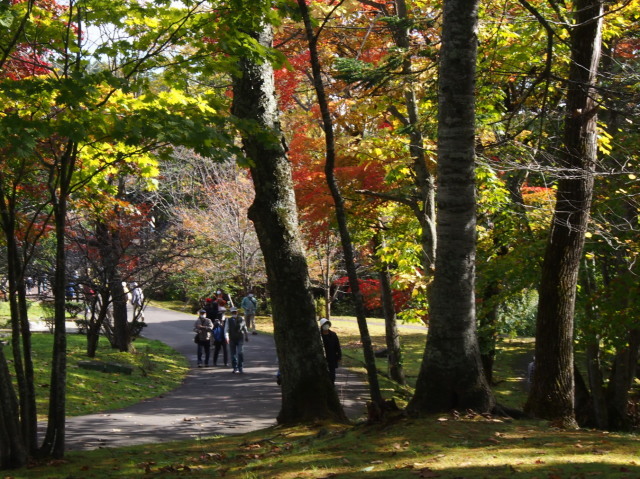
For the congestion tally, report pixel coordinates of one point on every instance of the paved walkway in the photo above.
(210, 401)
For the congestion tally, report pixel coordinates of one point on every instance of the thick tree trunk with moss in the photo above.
(552, 392)
(307, 391)
(451, 376)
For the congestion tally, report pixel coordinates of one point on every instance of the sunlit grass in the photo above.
(446, 446)
(157, 368)
(439, 446)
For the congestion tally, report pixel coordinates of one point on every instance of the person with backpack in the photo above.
(219, 342)
(236, 333)
(203, 327)
(249, 305)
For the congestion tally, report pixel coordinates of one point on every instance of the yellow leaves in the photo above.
(604, 141)
(146, 21)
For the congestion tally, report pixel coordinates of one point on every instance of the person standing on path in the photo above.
(332, 350)
(203, 327)
(249, 305)
(235, 332)
(219, 342)
(137, 301)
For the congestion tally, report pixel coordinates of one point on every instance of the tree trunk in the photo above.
(110, 249)
(451, 375)
(596, 384)
(424, 180)
(21, 334)
(392, 337)
(54, 440)
(12, 450)
(99, 311)
(122, 333)
(341, 217)
(307, 391)
(623, 373)
(552, 392)
(594, 367)
(488, 331)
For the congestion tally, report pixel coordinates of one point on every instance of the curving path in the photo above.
(210, 401)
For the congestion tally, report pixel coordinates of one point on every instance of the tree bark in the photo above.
(54, 440)
(488, 331)
(451, 375)
(623, 373)
(17, 260)
(392, 336)
(108, 242)
(307, 391)
(12, 450)
(594, 366)
(424, 180)
(552, 392)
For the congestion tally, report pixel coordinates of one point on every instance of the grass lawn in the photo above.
(157, 368)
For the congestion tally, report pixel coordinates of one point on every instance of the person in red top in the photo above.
(224, 301)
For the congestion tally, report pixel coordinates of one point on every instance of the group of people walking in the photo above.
(227, 333)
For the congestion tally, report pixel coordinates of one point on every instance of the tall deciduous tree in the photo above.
(307, 392)
(552, 392)
(66, 118)
(340, 211)
(451, 376)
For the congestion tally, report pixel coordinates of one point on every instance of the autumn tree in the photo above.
(552, 391)
(312, 37)
(75, 119)
(307, 392)
(451, 375)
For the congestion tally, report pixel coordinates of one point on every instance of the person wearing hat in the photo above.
(236, 333)
(332, 350)
(203, 327)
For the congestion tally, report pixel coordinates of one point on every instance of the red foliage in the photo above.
(370, 289)
(628, 48)
(23, 64)
(288, 79)
(535, 189)
(29, 60)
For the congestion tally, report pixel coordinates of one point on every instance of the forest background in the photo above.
(122, 162)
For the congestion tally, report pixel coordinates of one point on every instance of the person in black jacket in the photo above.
(332, 350)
